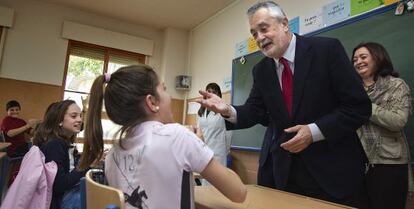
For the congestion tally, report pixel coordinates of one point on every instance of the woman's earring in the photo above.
(157, 108)
(60, 124)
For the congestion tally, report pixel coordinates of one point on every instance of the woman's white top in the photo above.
(215, 135)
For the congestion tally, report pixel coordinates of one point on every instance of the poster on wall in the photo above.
(388, 2)
(336, 12)
(360, 6)
(311, 22)
(226, 84)
(294, 25)
(251, 45)
(241, 49)
(246, 47)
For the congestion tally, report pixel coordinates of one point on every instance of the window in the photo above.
(85, 62)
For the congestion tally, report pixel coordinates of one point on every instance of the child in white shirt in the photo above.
(155, 158)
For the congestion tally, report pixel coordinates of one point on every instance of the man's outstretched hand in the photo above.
(214, 103)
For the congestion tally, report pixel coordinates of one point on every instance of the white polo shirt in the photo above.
(154, 167)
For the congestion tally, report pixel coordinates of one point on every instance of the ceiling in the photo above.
(182, 14)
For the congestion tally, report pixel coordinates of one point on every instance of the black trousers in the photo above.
(301, 182)
(387, 186)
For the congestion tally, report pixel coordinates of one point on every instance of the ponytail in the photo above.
(124, 96)
(93, 138)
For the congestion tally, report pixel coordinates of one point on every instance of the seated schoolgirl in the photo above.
(55, 137)
(155, 157)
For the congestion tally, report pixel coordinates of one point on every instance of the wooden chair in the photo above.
(98, 196)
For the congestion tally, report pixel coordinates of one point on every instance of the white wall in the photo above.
(175, 54)
(35, 51)
(213, 42)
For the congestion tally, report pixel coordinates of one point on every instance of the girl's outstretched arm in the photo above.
(225, 180)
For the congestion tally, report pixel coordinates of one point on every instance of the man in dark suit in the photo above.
(311, 99)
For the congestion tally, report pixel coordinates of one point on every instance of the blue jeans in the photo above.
(72, 198)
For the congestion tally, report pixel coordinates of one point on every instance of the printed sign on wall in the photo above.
(251, 45)
(336, 12)
(294, 25)
(226, 84)
(241, 49)
(311, 22)
(360, 6)
(388, 2)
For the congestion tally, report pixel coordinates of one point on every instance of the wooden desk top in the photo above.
(4, 145)
(2, 154)
(197, 175)
(208, 197)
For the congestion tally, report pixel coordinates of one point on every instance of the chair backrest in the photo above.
(98, 196)
(83, 193)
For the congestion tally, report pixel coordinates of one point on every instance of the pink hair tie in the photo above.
(107, 77)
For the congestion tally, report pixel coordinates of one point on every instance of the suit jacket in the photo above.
(327, 91)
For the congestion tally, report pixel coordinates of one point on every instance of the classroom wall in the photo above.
(212, 43)
(245, 164)
(174, 62)
(34, 99)
(34, 50)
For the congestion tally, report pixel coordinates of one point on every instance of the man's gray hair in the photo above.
(274, 9)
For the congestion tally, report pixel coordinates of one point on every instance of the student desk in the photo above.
(208, 197)
(4, 145)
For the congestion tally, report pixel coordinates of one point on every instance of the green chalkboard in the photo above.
(396, 33)
(242, 83)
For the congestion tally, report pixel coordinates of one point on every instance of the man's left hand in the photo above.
(300, 141)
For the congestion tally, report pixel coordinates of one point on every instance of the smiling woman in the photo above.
(383, 137)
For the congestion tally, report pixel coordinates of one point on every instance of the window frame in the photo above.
(141, 58)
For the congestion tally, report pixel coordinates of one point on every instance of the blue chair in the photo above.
(229, 161)
(83, 192)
